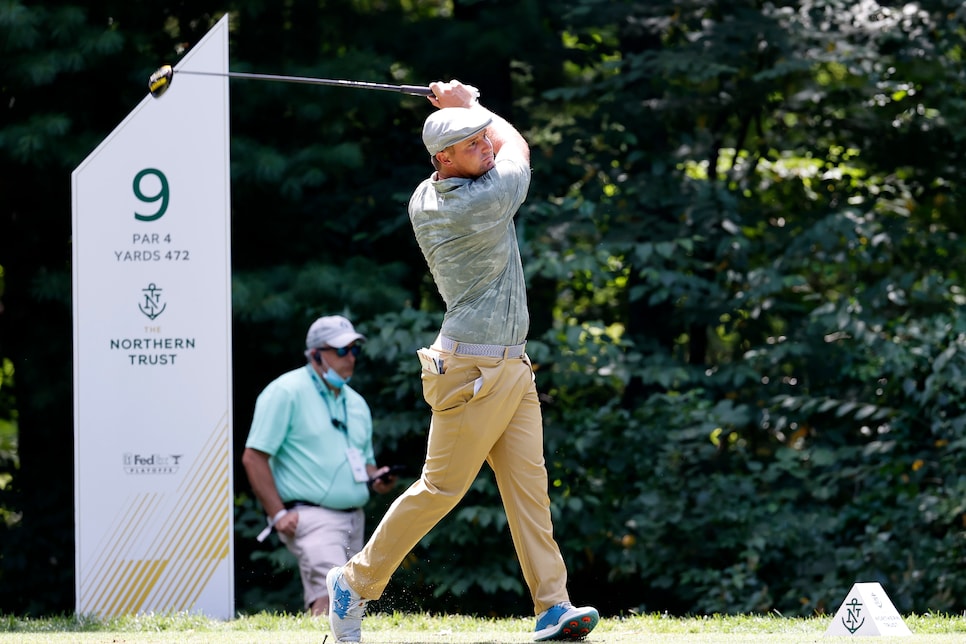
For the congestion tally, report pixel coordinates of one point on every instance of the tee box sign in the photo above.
(152, 354)
(867, 610)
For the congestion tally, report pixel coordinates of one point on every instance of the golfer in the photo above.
(476, 376)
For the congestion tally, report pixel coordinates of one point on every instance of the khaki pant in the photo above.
(484, 409)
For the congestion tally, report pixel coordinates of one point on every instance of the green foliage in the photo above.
(772, 283)
(9, 461)
(744, 246)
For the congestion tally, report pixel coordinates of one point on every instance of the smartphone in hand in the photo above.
(394, 470)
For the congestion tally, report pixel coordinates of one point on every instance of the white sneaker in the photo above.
(564, 622)
(346, 608)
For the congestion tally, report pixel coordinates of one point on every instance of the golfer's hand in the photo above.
(453, 94)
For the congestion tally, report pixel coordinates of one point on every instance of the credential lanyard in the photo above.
(353, 455)
(338, 423)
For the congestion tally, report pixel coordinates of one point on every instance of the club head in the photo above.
(160, 81)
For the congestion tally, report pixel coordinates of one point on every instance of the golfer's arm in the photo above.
(501, 133)
(261, 479)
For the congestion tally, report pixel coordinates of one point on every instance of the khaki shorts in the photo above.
(323, 540)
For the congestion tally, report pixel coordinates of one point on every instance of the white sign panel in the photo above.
(152, 353)
(867, 610)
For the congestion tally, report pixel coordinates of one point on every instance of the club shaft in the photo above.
(414, 90)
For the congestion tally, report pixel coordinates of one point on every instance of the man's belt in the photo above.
(291, 505)
(483, 350)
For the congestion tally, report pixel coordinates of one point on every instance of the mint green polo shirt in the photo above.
(293, 424)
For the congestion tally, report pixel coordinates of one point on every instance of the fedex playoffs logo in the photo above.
(151, 463)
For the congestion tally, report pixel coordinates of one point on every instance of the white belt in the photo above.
(486, 350)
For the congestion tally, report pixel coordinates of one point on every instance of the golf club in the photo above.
(160, 81)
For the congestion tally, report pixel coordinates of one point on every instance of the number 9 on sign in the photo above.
(161, 194)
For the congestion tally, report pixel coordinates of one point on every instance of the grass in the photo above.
(456, 629)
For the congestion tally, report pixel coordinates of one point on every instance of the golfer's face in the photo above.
(472, 157)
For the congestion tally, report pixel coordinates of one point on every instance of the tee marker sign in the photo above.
(152, 355)
(867, 610)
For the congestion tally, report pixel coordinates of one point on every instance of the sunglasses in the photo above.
(355, 350)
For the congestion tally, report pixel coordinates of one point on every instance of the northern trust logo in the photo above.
(151, 303)
(151, 463)
(853, 619)
(152, 348)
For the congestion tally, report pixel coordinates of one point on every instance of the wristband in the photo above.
(278, 515)
(271, 525)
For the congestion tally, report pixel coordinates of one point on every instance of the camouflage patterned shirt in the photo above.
(465, 230)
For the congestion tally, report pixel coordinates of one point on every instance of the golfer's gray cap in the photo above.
(331, 331)
(450, 125)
